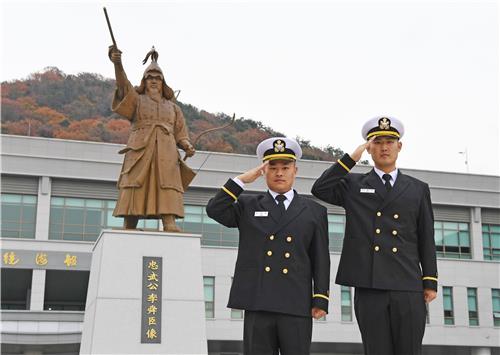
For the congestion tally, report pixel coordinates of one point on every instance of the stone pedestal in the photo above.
(115, 304)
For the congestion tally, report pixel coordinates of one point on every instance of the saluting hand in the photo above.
(252, 174)
(356, 155)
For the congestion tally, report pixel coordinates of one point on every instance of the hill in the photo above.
(58, 105)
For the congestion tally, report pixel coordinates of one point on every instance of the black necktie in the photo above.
(281, 204)
(387, 179)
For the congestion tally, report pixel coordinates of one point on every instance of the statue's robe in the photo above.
(150, 183)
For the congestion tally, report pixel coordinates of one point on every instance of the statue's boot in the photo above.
(130, 222)
(169, 223)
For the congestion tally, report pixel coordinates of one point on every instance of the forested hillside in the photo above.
(56, 105)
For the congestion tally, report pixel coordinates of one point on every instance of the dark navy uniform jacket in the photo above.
(278, 258)
(389, 236)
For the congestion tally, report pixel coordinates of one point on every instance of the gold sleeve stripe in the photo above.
(229, 193)
(320, 295)
(343, 165)
(279, 156)
(429, 278)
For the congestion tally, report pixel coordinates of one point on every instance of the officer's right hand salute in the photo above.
(253, 174)
(356, 155)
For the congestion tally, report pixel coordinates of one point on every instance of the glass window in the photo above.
(209, 288)
(336, 228)
(196, 220)
(491, 241)
(346, 303)
(449, 317)
(236, 313)
(452, 240)
(18, 216)
(472, 304)
(83, 219)
(495, 298)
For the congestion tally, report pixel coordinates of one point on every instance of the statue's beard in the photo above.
(153, 92)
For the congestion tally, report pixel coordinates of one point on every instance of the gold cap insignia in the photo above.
(279, 146)
(384, 123)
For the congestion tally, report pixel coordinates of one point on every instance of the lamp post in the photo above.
(466, 159)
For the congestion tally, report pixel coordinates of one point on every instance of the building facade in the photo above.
(57, 196)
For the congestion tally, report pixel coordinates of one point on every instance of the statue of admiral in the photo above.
(388, 252)
(282, 272)
(153, 176)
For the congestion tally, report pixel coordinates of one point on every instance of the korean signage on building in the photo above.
(151, 299)
(32, 259)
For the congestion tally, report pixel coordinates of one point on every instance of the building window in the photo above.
(83, 219)
(472, 303)
(495, 298)
(449, 317)
(196, 221)
(346, 303)
(18, 216)
(236, 313)
(65, 290)
(209, 288)
(336, 227)
(491, 241)
(16, 286)
(452, 240)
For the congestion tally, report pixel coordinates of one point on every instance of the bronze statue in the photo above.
(153, 176)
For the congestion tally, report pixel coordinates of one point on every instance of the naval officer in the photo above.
(282, 272)
(388, 252)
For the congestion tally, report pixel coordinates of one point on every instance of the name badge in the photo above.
(367, 191)
(261, 213)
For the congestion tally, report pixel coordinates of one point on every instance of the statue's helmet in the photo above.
(154, 69)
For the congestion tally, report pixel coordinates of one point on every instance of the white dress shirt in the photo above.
(289, 195)
(380, 173)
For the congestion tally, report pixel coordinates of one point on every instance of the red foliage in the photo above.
(14, 89)
(48, 115)
(23, 128)
(217, 144)
(79, 130)
(251, 136)
(118, 130)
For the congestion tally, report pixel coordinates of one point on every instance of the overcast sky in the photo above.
(314, 69)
